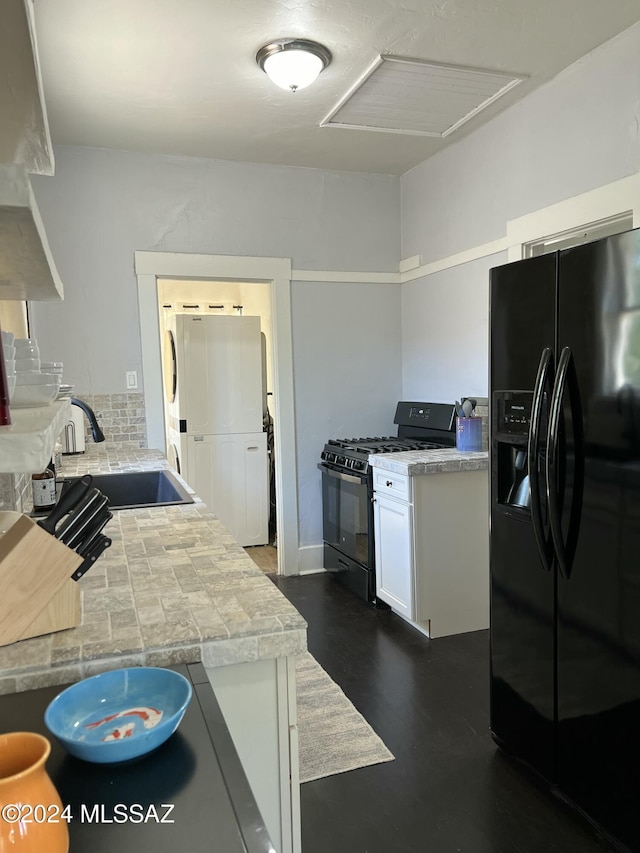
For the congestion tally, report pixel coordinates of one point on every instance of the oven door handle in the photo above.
(339, 475)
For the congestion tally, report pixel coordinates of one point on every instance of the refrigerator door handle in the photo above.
(543, 540)
(565, 551)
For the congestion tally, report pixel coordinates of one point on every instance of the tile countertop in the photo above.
(445, 461)
(175, 587)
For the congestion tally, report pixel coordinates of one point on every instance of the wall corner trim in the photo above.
(356, 277)
(174, 264)
(593, 205)
(411, 263)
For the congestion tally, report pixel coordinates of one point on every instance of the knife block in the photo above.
(37, 595)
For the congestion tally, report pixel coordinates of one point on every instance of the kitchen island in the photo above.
(431, 517)
(175, 588)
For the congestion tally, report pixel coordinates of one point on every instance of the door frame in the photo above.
(276, 272)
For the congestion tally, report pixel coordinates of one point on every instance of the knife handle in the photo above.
(68, 499)
(100, 545)
(71, 521)
(91, 533)
(74, 536)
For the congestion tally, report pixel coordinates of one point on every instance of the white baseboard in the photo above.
(310, 559)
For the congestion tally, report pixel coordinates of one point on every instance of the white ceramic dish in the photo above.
(26, 396)
(38, 379)
(51, 365)
(10, 366)
(11, 384)
(26, 351)
(22, 342)
(9, 352)
(27, 364)
(8, 339)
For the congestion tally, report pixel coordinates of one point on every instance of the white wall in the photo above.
(102, 206)
(578, 132)
(346, 372)
(445, 333)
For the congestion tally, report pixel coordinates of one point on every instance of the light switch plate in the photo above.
(132, 380)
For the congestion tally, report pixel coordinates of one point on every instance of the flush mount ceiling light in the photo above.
(293, 63)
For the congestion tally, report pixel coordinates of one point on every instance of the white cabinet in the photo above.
(432, 549)
(230, 474)
(218, 374)
(392, 485)
(393, 524)
(258, 701)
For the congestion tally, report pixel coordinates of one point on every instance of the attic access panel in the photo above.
(414, 96)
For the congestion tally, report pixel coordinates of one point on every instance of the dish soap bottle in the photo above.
(43, 489)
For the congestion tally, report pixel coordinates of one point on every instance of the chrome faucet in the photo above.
(96, 432)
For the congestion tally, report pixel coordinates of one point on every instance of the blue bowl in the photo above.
(119, 715)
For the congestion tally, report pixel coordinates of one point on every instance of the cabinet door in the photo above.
(229, 473)
(394, 554)
(219, 374)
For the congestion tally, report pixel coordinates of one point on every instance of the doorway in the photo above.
(276, 274)
(228, 299)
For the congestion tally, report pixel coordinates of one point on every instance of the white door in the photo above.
(393, 524)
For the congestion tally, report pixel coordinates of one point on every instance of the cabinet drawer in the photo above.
(389, 483)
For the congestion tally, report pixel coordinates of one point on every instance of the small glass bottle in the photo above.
(43, 489)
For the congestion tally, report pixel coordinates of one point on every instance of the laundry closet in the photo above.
(218, 428)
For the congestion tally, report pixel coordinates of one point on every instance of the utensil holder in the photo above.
(469, 434)
(37, 595)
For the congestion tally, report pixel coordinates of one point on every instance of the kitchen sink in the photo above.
(135, 489)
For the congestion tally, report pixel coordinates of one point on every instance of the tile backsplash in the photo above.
(121, 418)
(15, 491)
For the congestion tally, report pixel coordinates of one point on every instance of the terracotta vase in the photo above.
(30, 808)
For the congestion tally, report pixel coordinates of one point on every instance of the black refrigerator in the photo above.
(565, 524)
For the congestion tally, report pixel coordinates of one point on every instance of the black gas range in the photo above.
(347, 488)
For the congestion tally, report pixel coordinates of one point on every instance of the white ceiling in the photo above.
(180, 77)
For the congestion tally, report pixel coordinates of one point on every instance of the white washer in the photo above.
(174, 450)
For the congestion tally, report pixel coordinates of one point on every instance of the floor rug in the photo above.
(333, 736)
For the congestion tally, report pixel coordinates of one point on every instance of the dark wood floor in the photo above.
(450, 790)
